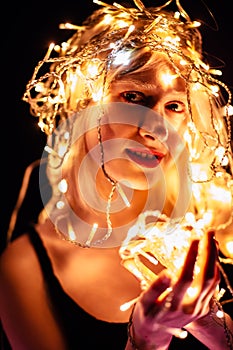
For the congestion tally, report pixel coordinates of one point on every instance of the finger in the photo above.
(206, 275)
(207, 260)
(151, 296)
(186, 276)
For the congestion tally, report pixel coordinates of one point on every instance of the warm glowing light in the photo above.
(219, 194)
(57, 48)
(73, 78)
(91, 235)
(128, 304)
(163, 242)
(69, 26)
(182, 334)
(112, 45)
(122, 194)
(62, 150)
(50, 49)
(71, 233)
(183, 62)
(50, 150)
(205, 66)
(225, 161)
(63, 186)
(215, 71)
(168, 78)
(195, 24)
(220, 153)
(92, 69)
(197, 86)
(220, 314)
(60, 205)
(207, 218)
(122, 57)
(214, 89)
(41, 125)
(64, 46)
(130, 30)
(197, 270)
(190, 218)
(229, 247)
(192, 292)
(169, 40)
(108, 19)
(199, 173)
(39, 87)
(122, 24)
(66, 135)
(229, 110)
(97, 96)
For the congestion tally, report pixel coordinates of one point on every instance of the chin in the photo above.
(137, 183)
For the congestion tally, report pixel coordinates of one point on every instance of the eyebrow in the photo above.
(137, 82)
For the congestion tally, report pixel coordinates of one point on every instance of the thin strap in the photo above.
(42, 255)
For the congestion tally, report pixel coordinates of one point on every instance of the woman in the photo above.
(137, 130)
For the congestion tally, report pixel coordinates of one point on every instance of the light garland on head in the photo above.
(158, 33)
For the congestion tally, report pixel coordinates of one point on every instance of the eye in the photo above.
(133, 97)
(175, 106)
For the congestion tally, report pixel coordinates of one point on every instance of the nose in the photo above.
(154, 127)
(159, 133)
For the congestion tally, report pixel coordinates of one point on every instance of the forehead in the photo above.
(158, 72)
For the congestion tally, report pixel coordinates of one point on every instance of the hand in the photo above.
(172, 302)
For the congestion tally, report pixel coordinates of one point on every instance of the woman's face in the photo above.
(141, 126)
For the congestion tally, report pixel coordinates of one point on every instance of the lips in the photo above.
(146, 158)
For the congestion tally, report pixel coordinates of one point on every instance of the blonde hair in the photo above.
(82, 69)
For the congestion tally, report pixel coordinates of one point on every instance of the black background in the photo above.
(30, 28)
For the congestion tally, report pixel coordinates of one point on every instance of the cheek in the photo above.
(111, 144)
(117, 131)
(91, 139)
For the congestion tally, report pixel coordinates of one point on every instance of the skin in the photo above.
(23, 314)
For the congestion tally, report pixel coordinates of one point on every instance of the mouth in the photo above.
(146, 158)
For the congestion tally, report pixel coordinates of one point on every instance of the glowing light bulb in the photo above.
(122, 57)
(92, 69)
(39, 87)
(192, 292)
(71, 233)
(69, 26)
(91, 235)
(107, 19)
(122, 24)
(48, 53)
(168, 78)
(219, 314)
(60, 205)
(97, 96)
(63, 186)
(194, 24)
(62, 150)
(229, 247)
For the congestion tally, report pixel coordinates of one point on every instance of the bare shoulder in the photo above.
(24, 300)
(19, 256)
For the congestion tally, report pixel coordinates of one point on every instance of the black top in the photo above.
(83, 331)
